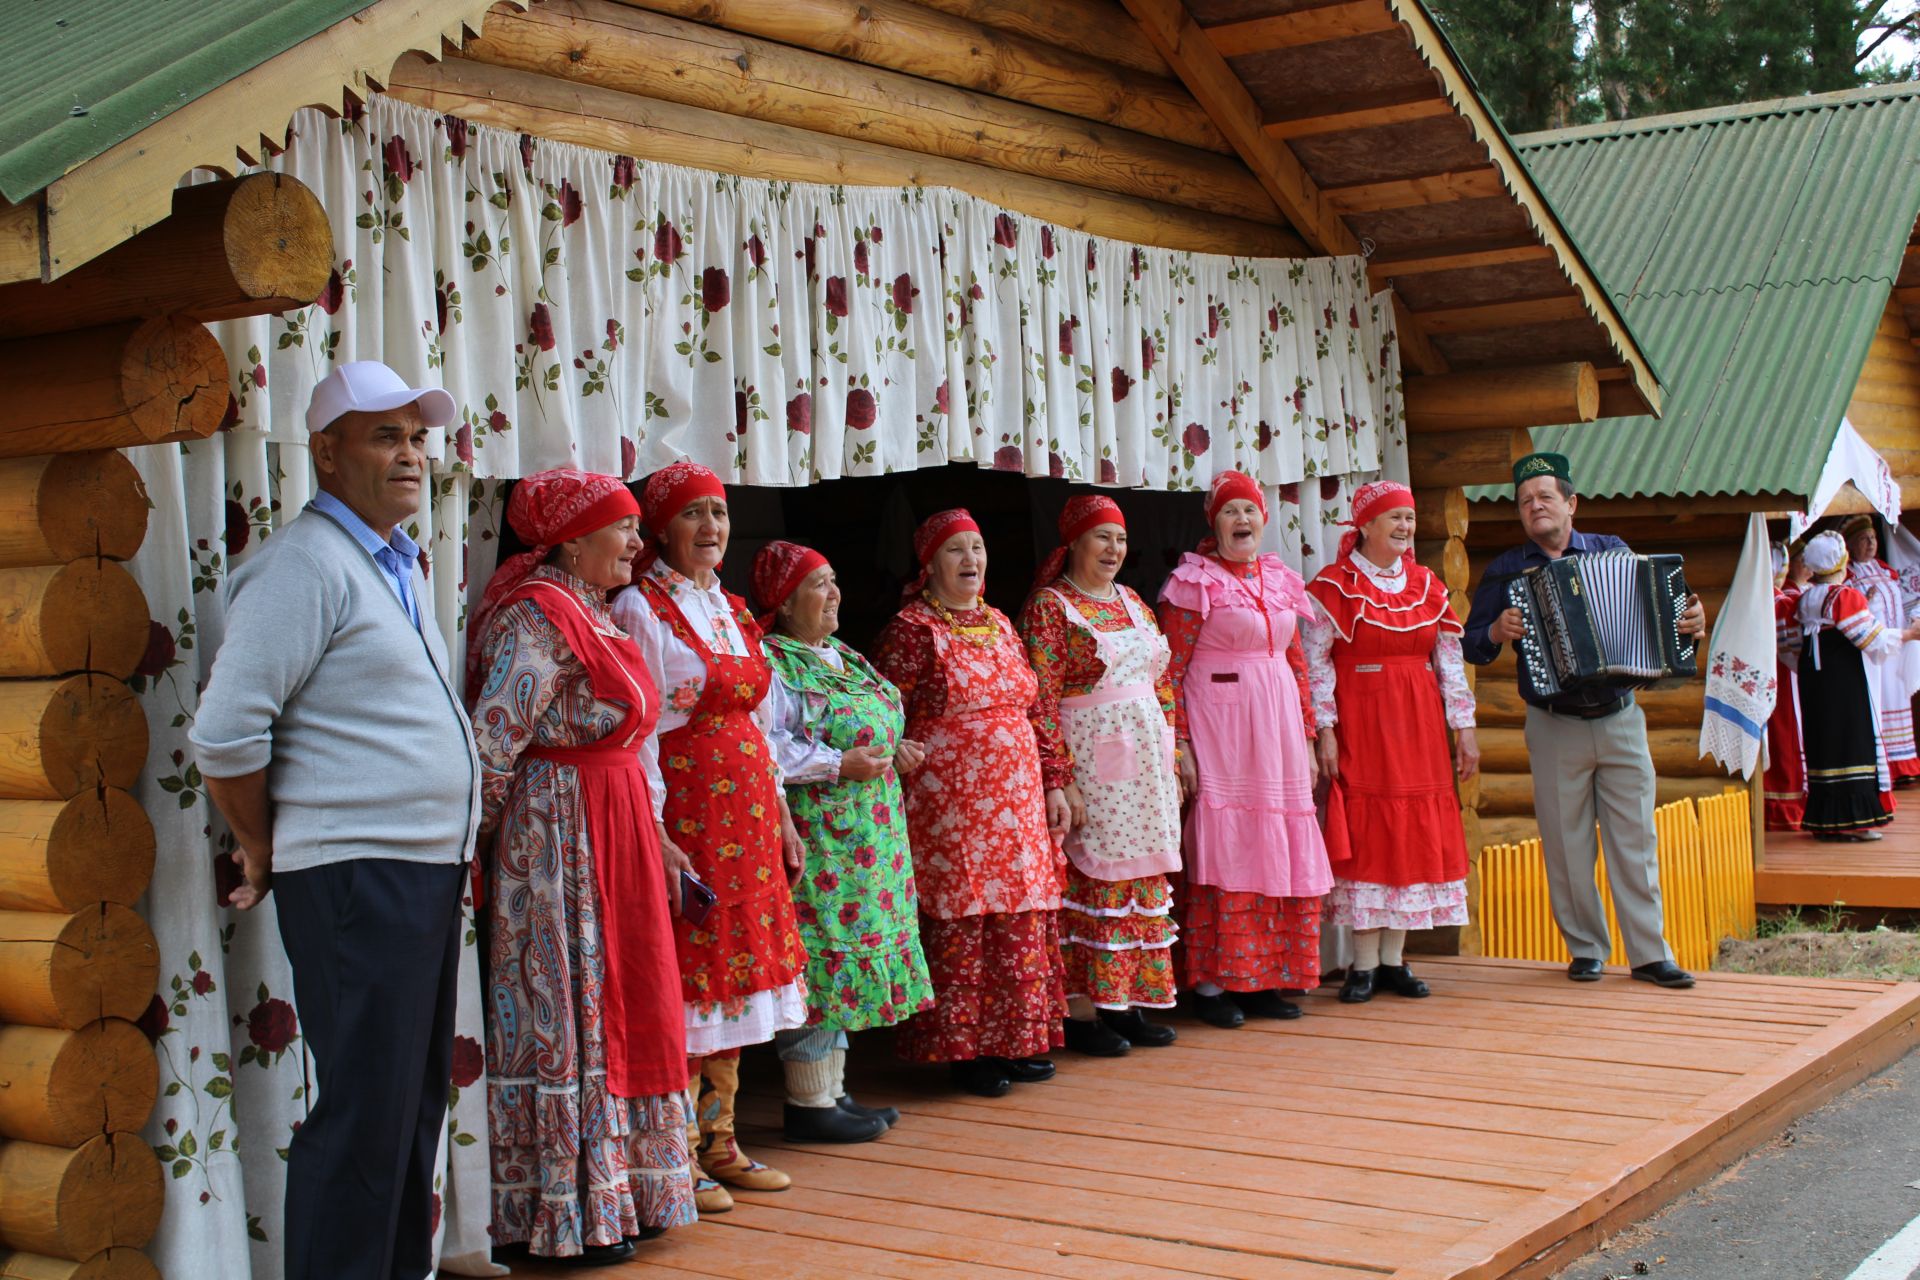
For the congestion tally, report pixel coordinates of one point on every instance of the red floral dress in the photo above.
(1785, 783)
(1118, 933)
(986, 866)
(1240, 940)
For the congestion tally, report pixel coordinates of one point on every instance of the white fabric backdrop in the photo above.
(591, 310)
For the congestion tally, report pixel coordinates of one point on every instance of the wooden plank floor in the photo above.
(1493, 1130)
(1799, 870)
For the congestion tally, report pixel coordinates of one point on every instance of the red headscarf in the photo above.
(668, 492)
(1370, 500)
(778, 570)
(1088, 511)
(1228, 486)
(930, 537)
(547, 509)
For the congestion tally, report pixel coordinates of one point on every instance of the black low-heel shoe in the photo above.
(1218, 1011)
(1358, 988)
(1399, 979)
(1267, 1004)
(1026, 1070)
(983, 1077)
(1133, 1024)
(1095, 1039)
(828, 1124)
(889, 1116)
(593, 1255)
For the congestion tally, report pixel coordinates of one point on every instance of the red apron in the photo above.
(722, 808)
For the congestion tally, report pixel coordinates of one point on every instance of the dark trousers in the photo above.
(375, 947)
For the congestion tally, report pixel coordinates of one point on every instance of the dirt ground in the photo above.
(1882, 955)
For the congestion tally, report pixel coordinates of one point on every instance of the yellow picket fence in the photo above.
(1706, 886)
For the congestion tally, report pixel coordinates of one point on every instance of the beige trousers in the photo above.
(1598, 770)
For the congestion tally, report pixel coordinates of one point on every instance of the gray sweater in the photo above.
(323, 682)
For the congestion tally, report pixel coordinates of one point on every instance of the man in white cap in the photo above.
(331, 737)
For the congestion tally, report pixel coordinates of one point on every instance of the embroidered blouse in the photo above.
(1844, 609)
(1066, 659)
(1391, 588)
(679, 672)
(1182, 628)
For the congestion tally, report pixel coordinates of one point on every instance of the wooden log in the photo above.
(68, 971)
(65, 1087)
(87, 615)
(1447, 557)
(1499, 704)
(601, 43)
(1440, 513)
(1514, 830)
(64, 855)
(75, 1203)
(251, 246)
(1505, 795)
(1086, 25)
(108, 1264)
(921, 41)
(134, 382)
(1676, 752)
(1471, 941)
(61, 507)
(1497, 530)
(1466, 457)
(1533, 396)
(59, 737)
(668, 132)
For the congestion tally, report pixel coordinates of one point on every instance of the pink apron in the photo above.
(1252, 828)
(1123, 756)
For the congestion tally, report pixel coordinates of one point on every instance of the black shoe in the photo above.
(888, 1116)
(593, 1255)
(1218, 1011)
(986, 1077)
(1267, 1004)
(1584, 970)
(829, 1124)
(1133, 1024)
(1026, 1070)
(1095, 1039)
(1663, 973)
(1358, 988)
(1399, 979)
(648, 1233)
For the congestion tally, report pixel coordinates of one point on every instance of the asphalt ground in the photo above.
(1812, 1204)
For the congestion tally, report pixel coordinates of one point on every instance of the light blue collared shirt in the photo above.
(396, 556)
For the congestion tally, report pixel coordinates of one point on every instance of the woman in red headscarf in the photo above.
(1256, 866)
(986, 863)
(717, 796)
(1104, 718)
(1388, 682)
(585, 1052)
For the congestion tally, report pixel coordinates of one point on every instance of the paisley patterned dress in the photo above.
(856, 901)
(574, 1163)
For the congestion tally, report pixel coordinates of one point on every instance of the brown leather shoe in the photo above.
(725, 1162)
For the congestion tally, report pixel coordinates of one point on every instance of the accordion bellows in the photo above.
(1604, 618)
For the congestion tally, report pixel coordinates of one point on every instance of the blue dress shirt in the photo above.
(1490, 600)
(396, 556)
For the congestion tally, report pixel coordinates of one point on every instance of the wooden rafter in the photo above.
(1359, 118)
(1302, 26)
(1416, 349)
(1407, 193)
(1380, 272)
(1214, 85)
(22, 237)
(1503, 315)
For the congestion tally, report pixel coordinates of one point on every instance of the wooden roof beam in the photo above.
(1302, 26)
(1381, 272)
(1531, 396)
(23, 241)
(1408, 193)
(1416, 349)
(1503, 315)
(1200, 66)
(1359, 118)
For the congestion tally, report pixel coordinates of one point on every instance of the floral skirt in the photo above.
(998, 989)
(1248, 941)
(1117, 940)
(1356, 904)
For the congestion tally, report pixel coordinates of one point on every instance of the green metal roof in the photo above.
(78, 76)
(1752, 248)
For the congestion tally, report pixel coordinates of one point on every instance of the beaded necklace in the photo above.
(984, 637)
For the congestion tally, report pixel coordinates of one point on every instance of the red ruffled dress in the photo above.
(1785, 783)
(1384, 659)
(1256, 865)
(987, 869)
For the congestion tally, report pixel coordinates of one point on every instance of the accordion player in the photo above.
(1604, 618)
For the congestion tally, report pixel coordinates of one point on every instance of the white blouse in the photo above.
(802, 757)
(1449, 666)
(679, 673)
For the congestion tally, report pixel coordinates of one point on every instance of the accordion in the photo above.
(1603, 618)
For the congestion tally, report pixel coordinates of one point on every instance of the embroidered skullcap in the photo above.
(1826, 554)
(1541, 464)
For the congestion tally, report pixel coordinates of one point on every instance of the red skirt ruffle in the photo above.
(1248, 941)
(998, 988)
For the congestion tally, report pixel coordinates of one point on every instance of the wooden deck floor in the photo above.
(1493, 1130)
(1799, 870)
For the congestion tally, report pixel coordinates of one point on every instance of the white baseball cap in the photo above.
(367, 386)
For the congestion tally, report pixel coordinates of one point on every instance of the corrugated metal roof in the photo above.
(78, 76)
(1752, 248)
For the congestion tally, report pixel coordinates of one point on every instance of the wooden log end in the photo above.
(64, 1088)
(78, 1203)
(69, 971)
(87, 615)
(127, 383)
(279, 245)
(60, 737)
(62, 507)
(108, 1264)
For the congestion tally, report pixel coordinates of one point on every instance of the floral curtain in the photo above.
(588, 309)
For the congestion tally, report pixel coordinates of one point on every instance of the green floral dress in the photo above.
(856, 903)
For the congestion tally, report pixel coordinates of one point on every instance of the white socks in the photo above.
(1208, 989)
(1393, 945)
(812, 1084)
(1366, 948)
